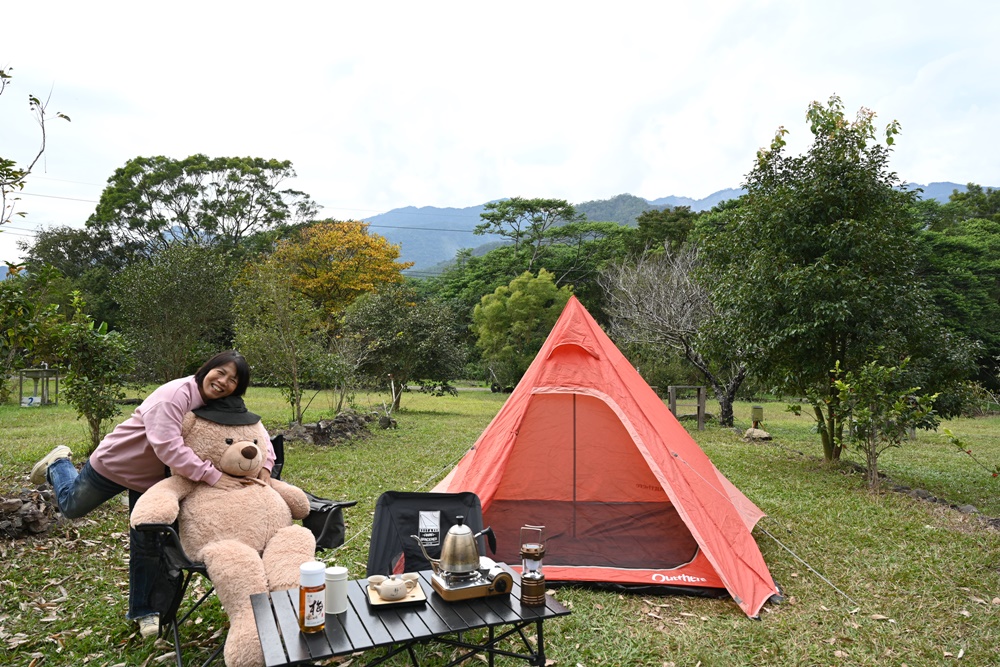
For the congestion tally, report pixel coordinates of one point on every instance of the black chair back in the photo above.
(401, 514)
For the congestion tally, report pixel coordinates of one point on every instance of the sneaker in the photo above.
(149, 626)
(38, 472)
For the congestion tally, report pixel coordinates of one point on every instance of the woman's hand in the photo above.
(264, 476)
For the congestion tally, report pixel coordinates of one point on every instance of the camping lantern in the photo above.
(532, 578)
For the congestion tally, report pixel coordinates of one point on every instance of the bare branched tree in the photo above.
(654, 300)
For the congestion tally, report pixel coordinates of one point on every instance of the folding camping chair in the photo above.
(401, 514)
(325, 520)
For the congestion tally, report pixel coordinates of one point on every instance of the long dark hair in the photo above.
(222, 358)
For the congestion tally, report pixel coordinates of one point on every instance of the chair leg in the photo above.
(218, 651)
(178, 656)
(175, 623)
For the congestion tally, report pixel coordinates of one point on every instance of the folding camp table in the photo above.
(400, 629)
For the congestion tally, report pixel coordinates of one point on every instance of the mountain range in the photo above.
(430, 237)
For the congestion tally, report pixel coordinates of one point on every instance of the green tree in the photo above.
(98, 363)
(817, 264)
(404, 337)
(975, 202)
(12, 177)
(471, 276)
(283, 335)
(659, 228)
(84, 262)
(512, 323)
(25, 324)
(580, 250)
(960, 264)
(881, 410)
(527, 223)
(153, 202)
(176, 308)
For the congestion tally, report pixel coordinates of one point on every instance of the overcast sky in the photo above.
(381, 105)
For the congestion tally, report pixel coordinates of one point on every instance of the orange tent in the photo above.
(584, 447)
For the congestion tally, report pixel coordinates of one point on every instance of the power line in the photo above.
(4, 229)
(32, 194)
(65, 180)
(20, 229)
(423, 229)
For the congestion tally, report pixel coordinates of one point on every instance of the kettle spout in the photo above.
(435, 562)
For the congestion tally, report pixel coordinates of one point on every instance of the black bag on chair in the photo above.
(326, 520)
(326, 517)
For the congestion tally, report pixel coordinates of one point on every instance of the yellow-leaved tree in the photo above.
(333, 263)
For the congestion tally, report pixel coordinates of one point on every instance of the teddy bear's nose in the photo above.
(249, 452)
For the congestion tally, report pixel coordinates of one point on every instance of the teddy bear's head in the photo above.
(238, 449)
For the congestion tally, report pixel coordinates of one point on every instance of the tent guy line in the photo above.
(809, 567)
(764, 530)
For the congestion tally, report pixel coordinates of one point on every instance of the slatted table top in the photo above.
(361, 628)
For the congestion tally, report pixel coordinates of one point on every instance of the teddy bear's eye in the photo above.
(229, 441)
(255, 441)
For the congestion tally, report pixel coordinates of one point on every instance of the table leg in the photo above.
(540, 662)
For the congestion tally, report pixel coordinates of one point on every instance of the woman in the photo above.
(136, 455)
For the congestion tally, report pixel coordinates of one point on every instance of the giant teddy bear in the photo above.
(245, 537)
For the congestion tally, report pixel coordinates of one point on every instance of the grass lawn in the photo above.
(870, 580)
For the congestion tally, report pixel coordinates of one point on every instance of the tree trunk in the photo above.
(296, 400)
(872, 473)
(341, 391)
(725, 393)
(725, 408)
(830, 429)
(95, 433)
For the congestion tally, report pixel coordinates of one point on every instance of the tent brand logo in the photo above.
(686, 578)
(649, 487)
(429, 527)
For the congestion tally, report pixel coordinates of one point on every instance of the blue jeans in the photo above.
(79, 494)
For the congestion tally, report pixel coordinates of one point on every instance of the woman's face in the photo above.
(219, 382)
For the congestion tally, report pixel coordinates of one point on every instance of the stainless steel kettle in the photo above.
(459, 553)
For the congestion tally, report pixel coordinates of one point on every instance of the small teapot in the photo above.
(393, 588)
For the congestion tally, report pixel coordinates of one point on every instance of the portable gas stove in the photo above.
(489, 579)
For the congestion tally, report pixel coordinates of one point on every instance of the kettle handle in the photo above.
(491, 538)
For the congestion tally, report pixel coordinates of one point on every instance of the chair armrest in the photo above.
(168, 531)
(344, 503)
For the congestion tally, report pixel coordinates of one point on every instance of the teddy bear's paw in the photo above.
(150, 516)
(242, 644)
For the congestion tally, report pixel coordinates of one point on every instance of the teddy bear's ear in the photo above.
(187, 424)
